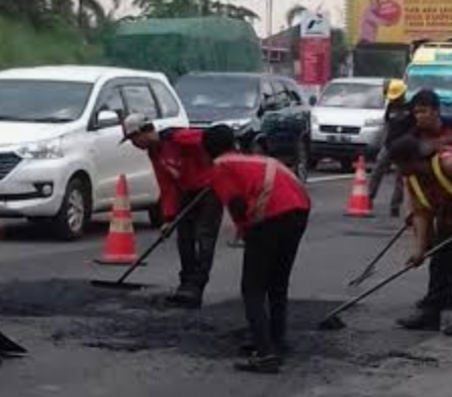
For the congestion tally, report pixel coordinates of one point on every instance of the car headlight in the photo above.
(374, 123)
(41, 150)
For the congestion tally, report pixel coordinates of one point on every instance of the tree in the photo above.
(293, 13)
(191, 8)
(39, 12)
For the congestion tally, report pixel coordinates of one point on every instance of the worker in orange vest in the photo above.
(426, 163)
(183, 170)
(270, 207)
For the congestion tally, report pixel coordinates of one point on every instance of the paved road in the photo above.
(92, 342)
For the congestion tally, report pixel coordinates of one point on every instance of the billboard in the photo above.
(398, 21)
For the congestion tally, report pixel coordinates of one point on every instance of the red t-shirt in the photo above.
(267, 187)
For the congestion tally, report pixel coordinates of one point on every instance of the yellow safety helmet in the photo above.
(396, 89)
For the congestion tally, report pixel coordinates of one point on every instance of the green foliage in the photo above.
(193, 8)
(59, 42)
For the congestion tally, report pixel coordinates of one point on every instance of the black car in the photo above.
(266, 112)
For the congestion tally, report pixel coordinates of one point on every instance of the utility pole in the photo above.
(269, 17)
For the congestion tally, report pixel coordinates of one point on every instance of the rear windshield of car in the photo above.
(218, 92)
(353, 96)
(43, 101)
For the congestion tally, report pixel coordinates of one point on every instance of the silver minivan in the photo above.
(348, 120)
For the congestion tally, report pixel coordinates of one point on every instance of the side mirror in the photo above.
(107, 118)
(312, 101)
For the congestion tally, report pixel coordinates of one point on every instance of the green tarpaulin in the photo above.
(179, 46)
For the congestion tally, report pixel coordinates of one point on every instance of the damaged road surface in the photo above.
(93, 342)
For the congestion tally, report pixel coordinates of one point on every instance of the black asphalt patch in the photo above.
(73, 311)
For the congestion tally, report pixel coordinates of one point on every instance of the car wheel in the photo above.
(70, 222)
(302, 160)
(155, 216)
(347, 165)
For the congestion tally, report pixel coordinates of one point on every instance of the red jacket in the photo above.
(265, 186)
(181, 165)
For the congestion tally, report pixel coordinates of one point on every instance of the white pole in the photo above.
(269, 17)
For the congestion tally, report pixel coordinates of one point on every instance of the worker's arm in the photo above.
(228, 193)
(169, 192)
(423, 227)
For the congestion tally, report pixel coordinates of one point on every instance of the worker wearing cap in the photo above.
(398, 121)
(270, 207)
(183, 171)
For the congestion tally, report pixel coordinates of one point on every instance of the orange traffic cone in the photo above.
(120, 245)
(359, 201)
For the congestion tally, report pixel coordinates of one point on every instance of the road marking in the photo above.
(329, 178)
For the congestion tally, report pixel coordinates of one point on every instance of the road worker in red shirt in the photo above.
(183, 170)
(270, 208)
(426, 160)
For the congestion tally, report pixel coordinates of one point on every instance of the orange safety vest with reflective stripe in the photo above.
(266, 186)
(436, 198)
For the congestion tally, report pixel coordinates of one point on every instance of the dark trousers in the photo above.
(439, 295)
(197, 236)
(381, 168)
(270, 251)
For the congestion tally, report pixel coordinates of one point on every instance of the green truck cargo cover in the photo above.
(179, 46)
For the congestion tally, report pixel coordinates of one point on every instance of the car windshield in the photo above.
(42, 101)
(353, 96)
(219, 92)
(437, 78)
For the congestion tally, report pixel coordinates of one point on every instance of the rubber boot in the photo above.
(186, 297)
(422, 320)
(268, 364)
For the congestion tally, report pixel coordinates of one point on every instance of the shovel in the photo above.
(333, 322)
(369, 270)
(10, 348)
(120, 283)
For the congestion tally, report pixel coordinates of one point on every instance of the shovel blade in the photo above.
(9, 347)
(118, 286)
(333, 323)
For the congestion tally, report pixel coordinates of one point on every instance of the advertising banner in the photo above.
(398, 21)
(315, 50)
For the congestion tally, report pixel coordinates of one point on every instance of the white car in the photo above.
(348, 120)
(59, 133)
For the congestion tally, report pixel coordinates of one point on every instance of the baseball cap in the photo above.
(133, 124)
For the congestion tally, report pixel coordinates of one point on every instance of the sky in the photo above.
(333, 8)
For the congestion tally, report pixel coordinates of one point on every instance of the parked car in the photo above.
(59, 152)
(348, 120)
(266, 111)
